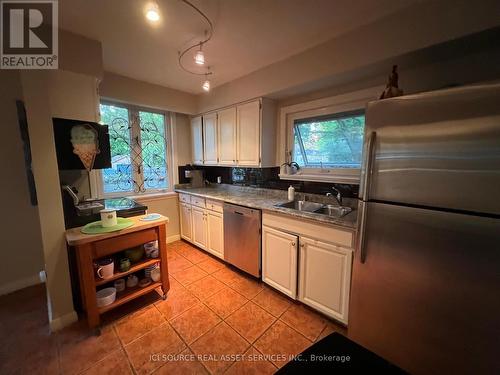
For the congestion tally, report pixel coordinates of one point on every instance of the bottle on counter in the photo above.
(291, 193)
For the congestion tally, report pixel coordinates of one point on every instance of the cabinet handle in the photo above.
(302, 245)
(293, 243)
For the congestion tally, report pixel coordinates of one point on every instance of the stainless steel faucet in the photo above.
(337, 196)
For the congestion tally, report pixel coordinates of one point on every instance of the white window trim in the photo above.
(325, 106)
(96, 180)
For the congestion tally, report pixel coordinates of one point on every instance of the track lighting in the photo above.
(206, 85)
(153, 12)
(199, 58)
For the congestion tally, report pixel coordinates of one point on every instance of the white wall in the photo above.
(419, 26)
(55, 94)
(22, 252)
(128, 90)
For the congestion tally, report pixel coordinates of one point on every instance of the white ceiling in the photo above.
(249, 34)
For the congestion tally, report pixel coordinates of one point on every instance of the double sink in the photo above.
(318, 208)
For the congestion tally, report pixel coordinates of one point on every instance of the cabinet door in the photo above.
(226, 123)
(325, 277)
(215, 233)
(210, 140)
(279, 260)
(197, 140)
(199, 227)
(186, 221)
(248, 134)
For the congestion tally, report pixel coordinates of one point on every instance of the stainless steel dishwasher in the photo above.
(242, 238)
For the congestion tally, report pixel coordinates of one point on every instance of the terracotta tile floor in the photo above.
(215, 320)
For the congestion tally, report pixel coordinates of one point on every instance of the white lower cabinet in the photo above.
(200, 232)
(325, 277)
(186, 221)
(279, 260)
(203, 227)
(215, 226)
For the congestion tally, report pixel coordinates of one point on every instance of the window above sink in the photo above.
(325, 137)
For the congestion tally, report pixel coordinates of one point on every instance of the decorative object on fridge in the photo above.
(392, 89)
(85, 141)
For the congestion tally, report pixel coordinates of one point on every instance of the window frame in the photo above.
(336, 105)
(133, 110)
(328, 117)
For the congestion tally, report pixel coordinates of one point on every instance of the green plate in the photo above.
(97, 228)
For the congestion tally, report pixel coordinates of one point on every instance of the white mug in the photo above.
(108, 218)
(106, 268)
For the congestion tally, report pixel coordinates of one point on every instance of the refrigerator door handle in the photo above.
(368, 166)
(360, 244)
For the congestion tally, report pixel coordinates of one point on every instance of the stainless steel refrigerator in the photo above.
(425, 290)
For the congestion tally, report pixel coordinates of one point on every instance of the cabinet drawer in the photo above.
(214, 206)
(200, 202)
(184, 198)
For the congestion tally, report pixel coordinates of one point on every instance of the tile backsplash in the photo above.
(266, 178)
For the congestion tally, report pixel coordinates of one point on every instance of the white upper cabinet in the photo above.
(242, 135)
(226, 121)
(197, 139)
(248, 134)
(325, 277)
(210, 149)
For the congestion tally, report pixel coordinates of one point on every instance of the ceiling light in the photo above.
(199, 58)
(206, 85)
(153, 12)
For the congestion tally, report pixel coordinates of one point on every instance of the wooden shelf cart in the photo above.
(88, 248)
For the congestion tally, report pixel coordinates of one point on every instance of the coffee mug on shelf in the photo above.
(124, 264)
(105, 268)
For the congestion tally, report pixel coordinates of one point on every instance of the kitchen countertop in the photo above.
(267, 199)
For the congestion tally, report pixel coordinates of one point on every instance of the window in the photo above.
(331, 141)
(138, 151)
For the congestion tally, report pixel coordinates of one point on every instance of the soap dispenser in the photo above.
(291, 193)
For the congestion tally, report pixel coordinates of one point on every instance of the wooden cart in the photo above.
(88, 248)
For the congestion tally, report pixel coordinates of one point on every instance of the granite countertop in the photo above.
(267, 199)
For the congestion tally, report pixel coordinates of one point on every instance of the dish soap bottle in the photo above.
(291, 193)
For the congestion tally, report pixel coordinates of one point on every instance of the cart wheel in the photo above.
(164, 297)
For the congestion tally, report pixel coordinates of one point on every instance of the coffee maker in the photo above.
(196, 177)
